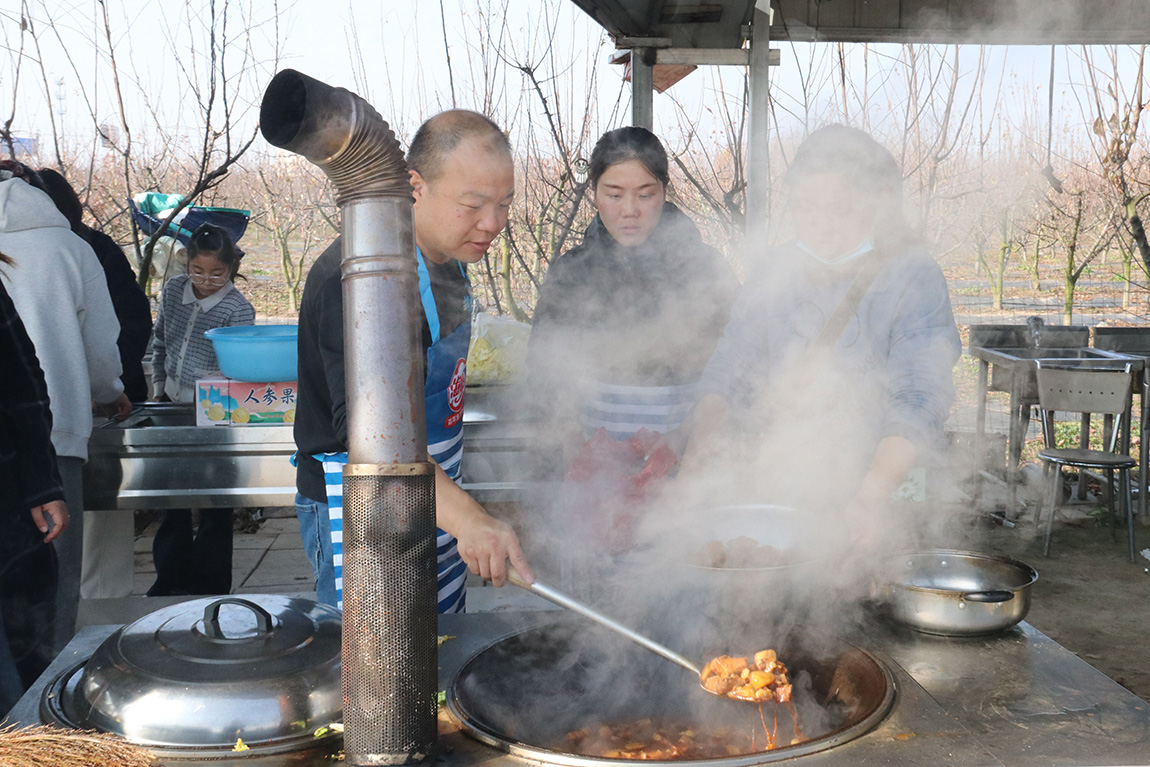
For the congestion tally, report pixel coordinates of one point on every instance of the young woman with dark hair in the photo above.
(626, 320)
(623, 326)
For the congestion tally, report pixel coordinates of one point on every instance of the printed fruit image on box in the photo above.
(263, 403)
(214, 403)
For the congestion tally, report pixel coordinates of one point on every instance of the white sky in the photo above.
(392, 52)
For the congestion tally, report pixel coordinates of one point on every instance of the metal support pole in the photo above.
(980, 430)
(642, 87)
(1143, 443)
(758, 142)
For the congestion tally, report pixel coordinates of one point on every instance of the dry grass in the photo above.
(46, 746)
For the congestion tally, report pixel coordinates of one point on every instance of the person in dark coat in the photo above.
(626, 321)
(623, 328)
(132, 307)
(31, 497)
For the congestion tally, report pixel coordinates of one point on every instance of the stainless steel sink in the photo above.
(159, 459)
(1007, 362)
(1040, 353)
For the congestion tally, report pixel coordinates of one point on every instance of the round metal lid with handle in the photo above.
(205, 673)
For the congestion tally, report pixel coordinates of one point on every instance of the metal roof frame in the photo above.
(685, 32)
(717, 24)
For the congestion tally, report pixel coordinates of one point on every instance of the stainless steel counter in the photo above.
(1014, 699)
(159, 458)
(497, 437)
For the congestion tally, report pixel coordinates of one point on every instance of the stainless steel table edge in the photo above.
(1014, 699)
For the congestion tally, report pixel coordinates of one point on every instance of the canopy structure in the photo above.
(684, 33)
(719, 24)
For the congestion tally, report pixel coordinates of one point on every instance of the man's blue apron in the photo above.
(443, 400)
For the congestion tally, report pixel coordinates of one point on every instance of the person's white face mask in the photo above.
(831, 218)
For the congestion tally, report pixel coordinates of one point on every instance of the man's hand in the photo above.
(485, 543)
(120, 408)
(57, 511)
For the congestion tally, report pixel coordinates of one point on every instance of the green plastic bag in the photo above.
(154, 203)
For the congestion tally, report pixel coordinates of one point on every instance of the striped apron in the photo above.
(443, 390)
(623, 410)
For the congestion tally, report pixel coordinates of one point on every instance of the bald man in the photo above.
(462, 180)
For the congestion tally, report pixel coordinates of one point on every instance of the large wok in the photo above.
(525, 693)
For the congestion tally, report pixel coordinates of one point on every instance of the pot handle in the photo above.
(998, 595)
(212, 617)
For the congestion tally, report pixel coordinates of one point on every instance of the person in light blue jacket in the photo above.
(837, 360)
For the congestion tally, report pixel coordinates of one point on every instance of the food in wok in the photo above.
(647, 739)
(762, 679)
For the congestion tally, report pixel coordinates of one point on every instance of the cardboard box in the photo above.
(262, 404)
(213, 402)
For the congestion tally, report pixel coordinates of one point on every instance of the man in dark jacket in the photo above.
(31, 496)
(462, 181)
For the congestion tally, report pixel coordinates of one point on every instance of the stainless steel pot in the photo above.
(956, 593)
(191, 679)
(756, 588)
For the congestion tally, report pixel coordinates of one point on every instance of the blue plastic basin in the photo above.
(256, 352)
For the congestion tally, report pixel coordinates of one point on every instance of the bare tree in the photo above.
(217, 74)
(297, 213)
(17, 55)
(1116, 107)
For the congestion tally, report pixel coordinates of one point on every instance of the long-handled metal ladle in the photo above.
(564, 600)
(568, 602)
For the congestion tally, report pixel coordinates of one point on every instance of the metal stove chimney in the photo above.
(389, 591)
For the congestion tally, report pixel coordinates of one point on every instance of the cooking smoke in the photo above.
(757, 537)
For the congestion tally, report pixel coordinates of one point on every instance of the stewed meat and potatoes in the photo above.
(757, 680)
(760, 679)
(741, 553)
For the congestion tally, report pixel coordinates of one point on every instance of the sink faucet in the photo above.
(1034, 325)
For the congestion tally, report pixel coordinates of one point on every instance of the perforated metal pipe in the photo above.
(389, 592)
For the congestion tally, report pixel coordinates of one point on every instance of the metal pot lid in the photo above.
(204, 673)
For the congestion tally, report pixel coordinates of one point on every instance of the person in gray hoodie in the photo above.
(59, 290)
(836, 368)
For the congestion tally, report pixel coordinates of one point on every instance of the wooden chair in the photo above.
(1086, 390)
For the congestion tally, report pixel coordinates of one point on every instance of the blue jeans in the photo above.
(315, 530)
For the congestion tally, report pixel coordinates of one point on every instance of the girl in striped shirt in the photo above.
(204, 298)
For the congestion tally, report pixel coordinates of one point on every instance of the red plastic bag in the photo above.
(617, 479)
